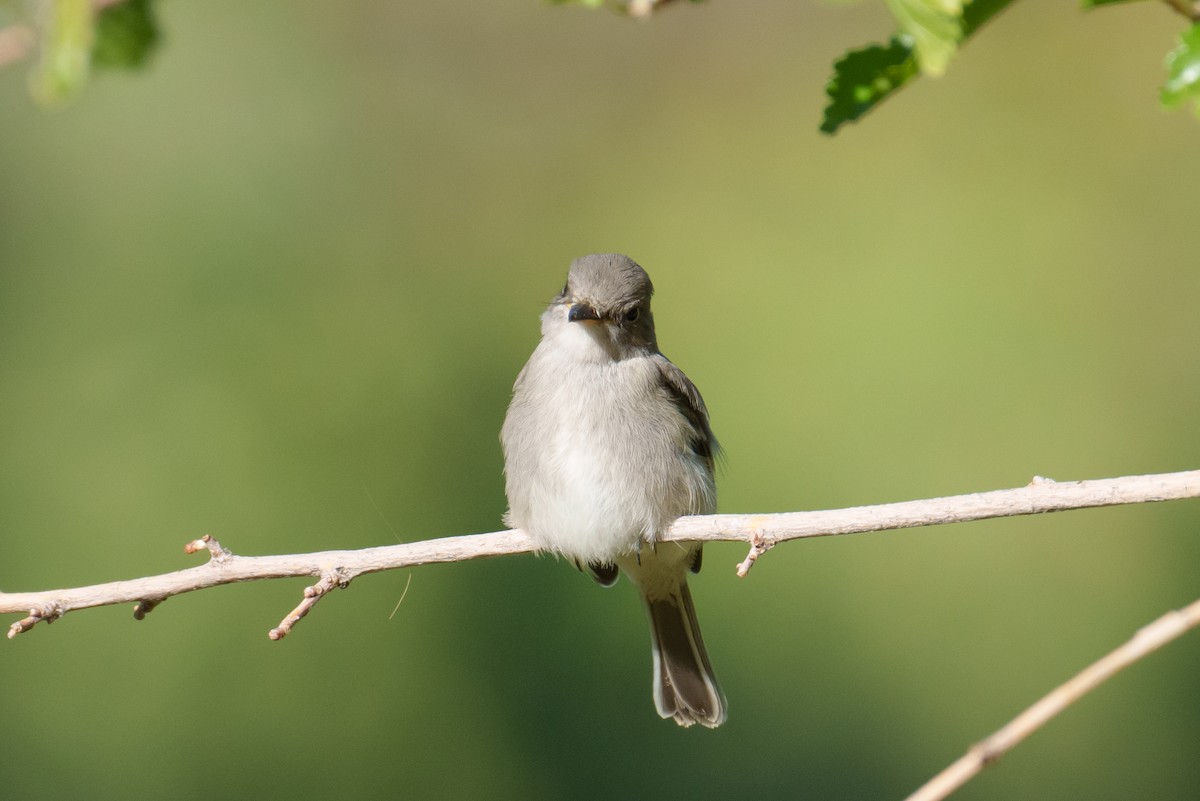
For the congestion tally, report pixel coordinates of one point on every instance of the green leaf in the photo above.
(126, 33)
(1183, 71)
(862, 78)
(66, 46)
(935, 27)
(977, 12)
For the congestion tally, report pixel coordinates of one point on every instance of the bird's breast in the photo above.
(608, 466)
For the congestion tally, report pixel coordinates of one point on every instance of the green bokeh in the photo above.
(276, 289)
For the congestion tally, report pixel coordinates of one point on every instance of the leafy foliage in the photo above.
(126, 34)
(931, 32)
(72, 38)
(934, 28)
(863, 78)
(1183, 70)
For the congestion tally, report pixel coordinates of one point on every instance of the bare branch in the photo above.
(1147, 640)
(1039, 496)
(761, 530)
(224, 567)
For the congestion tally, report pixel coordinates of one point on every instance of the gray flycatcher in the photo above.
(606, 442)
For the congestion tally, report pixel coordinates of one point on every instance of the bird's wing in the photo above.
(687, 398)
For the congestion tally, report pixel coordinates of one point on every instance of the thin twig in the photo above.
(1147, 640)
(1191, 10)
(216, 552)
(311, 596)
(759, 544)
(47, 613)
(223, 567)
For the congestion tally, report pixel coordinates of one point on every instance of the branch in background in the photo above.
(1190, 10)
(763, 531)
(1169, 627)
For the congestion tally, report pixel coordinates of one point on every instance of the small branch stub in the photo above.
(216, 553)
(145, 607)
(760, 543)
(49, 615)
(311, 595)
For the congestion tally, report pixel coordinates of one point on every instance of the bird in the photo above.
(606, 442)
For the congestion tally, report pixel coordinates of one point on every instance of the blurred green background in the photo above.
(276, 289)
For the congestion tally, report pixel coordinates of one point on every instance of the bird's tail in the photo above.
(685, 687)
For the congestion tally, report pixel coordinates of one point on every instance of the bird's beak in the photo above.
(581, 312)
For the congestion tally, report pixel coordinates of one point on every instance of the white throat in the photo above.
(576, 343)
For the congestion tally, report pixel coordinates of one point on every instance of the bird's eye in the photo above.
(632, 314)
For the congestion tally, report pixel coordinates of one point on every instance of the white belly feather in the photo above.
(582, 494)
